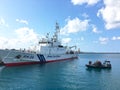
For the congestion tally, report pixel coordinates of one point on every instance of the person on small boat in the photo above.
(107, 63)
(90, 62)
(97, 63)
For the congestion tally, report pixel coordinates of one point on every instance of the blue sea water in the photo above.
(64, 75)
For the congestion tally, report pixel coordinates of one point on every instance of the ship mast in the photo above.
(56, 32)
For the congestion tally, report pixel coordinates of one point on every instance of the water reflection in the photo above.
(98, 70)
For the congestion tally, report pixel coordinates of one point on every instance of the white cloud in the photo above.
(95, 42)
(22, 21)
(7, 42)
(25, 37)
(80, 2)
(3, 23)
(85, 15)
(103, 40)
(26, 34)
(3, 42)
(82, 38)
(95, 30)
(66, 40)
(110, 13)
(115, 38)
(75, 25)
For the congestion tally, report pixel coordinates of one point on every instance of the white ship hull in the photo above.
(14, 58)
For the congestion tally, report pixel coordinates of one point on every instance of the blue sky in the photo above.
(91, 25)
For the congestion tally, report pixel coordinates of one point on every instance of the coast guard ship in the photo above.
(48, 50)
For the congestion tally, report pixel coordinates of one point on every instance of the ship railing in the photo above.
(72, 52)
(7, 55)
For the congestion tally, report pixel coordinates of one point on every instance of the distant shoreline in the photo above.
(99, 52)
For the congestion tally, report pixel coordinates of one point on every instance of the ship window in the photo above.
(60, 46)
